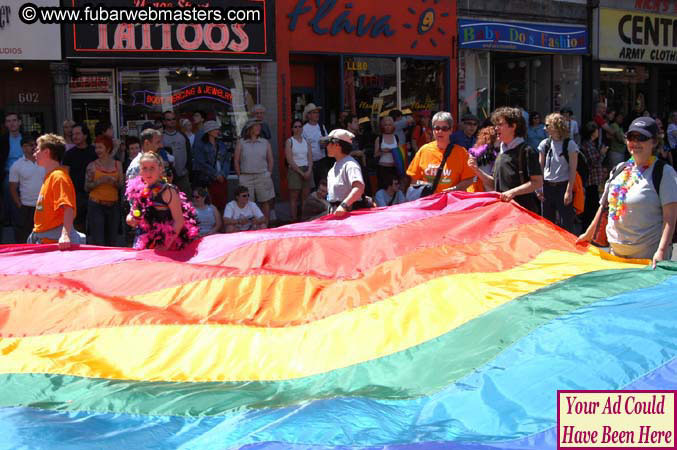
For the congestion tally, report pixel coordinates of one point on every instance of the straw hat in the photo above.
(310, 107)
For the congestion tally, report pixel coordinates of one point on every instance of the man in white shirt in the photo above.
(313, 132)
(241, 214)
(25, 181)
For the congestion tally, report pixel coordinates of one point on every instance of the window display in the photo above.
(225, 93)
(473, 83)
(370, 86)
(423, 84)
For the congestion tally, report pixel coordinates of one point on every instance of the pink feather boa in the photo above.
(156, 233)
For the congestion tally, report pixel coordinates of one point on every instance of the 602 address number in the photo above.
(29, 97)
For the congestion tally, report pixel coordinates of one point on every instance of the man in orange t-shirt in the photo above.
(55, 208)
(456, 174)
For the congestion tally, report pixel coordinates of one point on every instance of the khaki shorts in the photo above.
(296, 182)
(260, 185)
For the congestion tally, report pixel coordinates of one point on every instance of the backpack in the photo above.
(582, 166)
(656, 178)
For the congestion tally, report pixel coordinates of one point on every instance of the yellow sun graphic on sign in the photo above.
(426, 21)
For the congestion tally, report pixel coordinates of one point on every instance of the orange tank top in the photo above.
(104, 192)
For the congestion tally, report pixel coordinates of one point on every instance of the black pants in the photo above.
(591, 206)
(25, 227)
(102, 223)
(80, 221)
(553, 203)
(321, 169)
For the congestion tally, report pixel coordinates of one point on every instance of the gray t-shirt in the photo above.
(177, 142)
(556, 167)
(341, 177)
(637, 234)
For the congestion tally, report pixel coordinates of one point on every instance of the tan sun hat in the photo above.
(310, 107)
(341, 135)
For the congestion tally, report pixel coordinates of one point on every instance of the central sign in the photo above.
(637, 37)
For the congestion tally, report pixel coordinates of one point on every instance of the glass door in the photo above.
(91, 111)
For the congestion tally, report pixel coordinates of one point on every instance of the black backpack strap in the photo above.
(440, 169)
(392, 200)
(565, 149)
(657, 175)
(522, 163)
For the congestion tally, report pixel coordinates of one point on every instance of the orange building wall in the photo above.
(394, 27)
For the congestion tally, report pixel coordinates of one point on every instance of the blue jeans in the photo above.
(102, 223)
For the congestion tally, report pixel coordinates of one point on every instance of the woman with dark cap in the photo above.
(642, 207)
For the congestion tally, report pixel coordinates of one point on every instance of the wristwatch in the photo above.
(345, 206)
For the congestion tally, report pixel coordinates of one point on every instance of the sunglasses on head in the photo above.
(444, 128)
(636, 137)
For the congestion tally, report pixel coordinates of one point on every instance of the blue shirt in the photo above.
(15, 151)
(535, 135)
(460, 138)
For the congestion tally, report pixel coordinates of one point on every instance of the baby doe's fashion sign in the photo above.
(616, 419)
(523, 37)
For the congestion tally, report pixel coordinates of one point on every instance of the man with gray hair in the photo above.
(258, 113)
(456, 175)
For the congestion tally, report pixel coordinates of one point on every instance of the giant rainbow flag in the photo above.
(450, 322)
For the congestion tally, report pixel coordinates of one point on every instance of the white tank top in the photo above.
(386, 158)
(299, 151)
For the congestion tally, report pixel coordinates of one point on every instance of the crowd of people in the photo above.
(606, 174)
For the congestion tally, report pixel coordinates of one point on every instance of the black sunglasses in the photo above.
(636, 137)
(244, 195)
(438, 128)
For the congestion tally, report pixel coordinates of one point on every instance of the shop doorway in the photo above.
(316, 79)
(93, 98)
(667, 91)
(91, 111)
(523, 80)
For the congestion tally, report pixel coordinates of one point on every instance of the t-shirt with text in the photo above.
(424, 166)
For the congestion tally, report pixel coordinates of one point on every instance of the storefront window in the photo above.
(624, 88)
(566, 85)
(423, 84)
(370, 86)
(473, 83)
(225, 93)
